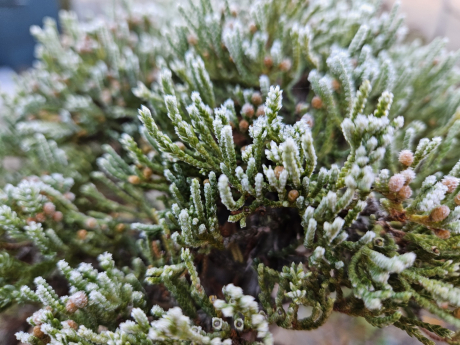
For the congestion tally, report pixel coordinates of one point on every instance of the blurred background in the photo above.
(426, 19)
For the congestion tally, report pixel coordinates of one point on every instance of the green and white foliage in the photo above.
(79, 90)
(96, 298)
(270, 167)
(40, 215)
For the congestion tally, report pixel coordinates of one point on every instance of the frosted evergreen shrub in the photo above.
(198, 180)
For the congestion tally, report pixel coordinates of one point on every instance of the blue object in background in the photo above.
(16, 17)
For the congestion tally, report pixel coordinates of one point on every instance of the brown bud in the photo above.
(252, 27)
(70, 307)
(40, 217)
(278, 170)
(81, 234)
(443, 305)
(260, 111)
(72, 324)
(439, 213)
(285, 65)
(309, 120)
(79, 299)
(268, 61)
(406, 157)
(180, 145)
(155, 249)
(316, 102)
(37, 332)
(58, 216)
(120, 227)
(247, 110)
(335, 84)
(49, 208)
(457, 313)
(442, 234)
(256, 98)
(146, 148)
(244, 125)
(147, 172)
(457, 199)
(192, 39)
(206, 181)
(405, 192)
(451, 183)
(106, 96)
(293, 195)
(133, 179)
(396, 182)
(91, 222)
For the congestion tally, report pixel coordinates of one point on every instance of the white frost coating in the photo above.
(225, 193)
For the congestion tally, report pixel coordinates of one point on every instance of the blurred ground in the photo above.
(341, 329)
(433, 18)
(425, 18)
(429, 18)
(6, 79)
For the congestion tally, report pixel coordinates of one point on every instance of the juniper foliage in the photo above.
(202, 183)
